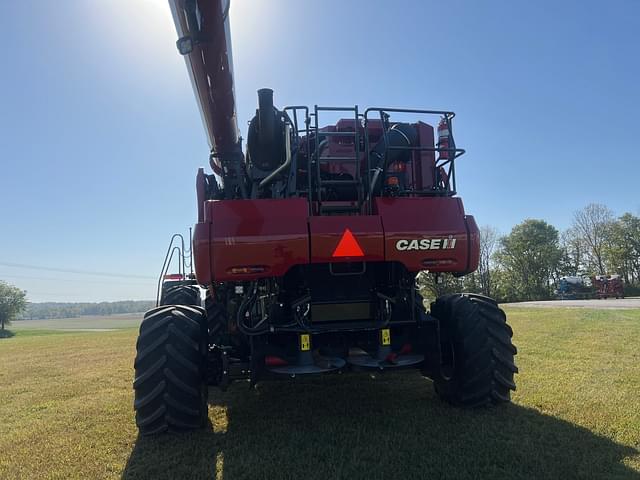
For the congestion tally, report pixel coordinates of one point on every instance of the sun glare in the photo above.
(162, 5)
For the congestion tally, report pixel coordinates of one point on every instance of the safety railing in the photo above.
(306, 129)
(185, 261)
(444, 167)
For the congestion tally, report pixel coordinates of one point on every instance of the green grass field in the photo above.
(66, 412)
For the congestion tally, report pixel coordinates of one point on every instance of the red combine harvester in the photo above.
(308, 244)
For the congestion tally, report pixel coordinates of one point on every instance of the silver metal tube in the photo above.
(287, 161)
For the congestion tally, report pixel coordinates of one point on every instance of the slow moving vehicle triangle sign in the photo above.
(348, 246)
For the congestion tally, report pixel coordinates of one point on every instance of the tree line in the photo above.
(527, 263)
(46, 310)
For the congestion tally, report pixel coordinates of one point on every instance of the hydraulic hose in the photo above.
(246, 306)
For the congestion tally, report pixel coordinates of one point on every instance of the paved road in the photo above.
(625, 303)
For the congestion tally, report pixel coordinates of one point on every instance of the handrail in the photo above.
(445, 113)
(167, 262)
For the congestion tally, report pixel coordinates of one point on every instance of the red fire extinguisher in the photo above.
(443, 139)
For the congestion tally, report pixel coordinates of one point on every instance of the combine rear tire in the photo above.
(477, 351)
(170, 392)
(181, 295)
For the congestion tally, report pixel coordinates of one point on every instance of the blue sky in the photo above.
(100, 137)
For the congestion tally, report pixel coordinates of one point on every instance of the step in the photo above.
(340, 182)
(339, 209)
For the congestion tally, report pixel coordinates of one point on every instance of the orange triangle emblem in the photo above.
(348, 246)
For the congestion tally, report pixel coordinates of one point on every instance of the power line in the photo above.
(65, 299)
(79, 272)
(83, 281)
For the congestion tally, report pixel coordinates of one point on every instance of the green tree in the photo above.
(488, 241)
(12, 301)
(432, 286)
(592, 225)
(622, 249)
(528, 259)
(574, 253)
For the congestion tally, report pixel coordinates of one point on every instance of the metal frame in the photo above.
(454, 152)
(183, 264)
(293, 118)
(384, 114)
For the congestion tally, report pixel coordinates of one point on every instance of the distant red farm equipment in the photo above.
(608, 286)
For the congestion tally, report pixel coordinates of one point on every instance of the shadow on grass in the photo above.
(6, 333)
(391, 427)
(175, 456)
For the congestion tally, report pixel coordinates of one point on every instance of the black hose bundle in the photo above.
(245, 307)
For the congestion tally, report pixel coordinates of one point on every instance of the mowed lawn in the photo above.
(66, 412)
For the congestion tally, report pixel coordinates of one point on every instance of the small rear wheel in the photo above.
(181, 295)
(477, 351)
(170, 391)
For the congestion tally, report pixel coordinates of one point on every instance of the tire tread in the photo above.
(170, 393)
(481, 338)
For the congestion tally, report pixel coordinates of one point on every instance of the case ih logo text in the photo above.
(426, 244)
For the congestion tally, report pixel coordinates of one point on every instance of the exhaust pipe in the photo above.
(265, 142)
(266, 118)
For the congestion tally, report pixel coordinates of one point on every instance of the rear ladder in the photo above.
(325, 206)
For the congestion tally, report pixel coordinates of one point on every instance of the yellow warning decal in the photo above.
(305, 342)
(385, 336)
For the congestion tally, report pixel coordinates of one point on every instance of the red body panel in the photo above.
(438, 218)
(268, 237)
(202, 252)
(268, 234)
(474, 245)
(426, 160)
(326, 233)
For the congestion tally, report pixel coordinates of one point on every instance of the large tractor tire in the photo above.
(477, 351)
(170, 388)
(181, 295)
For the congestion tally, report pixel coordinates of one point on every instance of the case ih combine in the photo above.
(308, 243)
